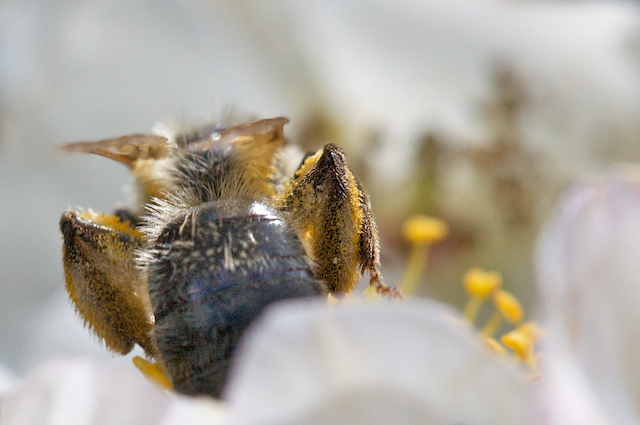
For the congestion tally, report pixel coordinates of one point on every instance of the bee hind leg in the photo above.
(103, 282)
(331, 213)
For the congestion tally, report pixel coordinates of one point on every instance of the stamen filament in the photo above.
(415, 268)
(495, 346)
(472, 308)
(421, 231)
(492, 324)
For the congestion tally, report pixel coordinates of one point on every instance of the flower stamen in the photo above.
(495, 346)
(522, 341)
(492, 325)
(508, 306)
(421, 231)
(479, 284)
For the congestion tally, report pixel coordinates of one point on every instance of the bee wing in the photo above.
(270, 127)
(255, 149)
(125, 149)
(256, 133)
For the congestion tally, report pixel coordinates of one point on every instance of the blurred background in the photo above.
(474, 111)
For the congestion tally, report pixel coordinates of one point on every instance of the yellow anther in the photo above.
(153, 372)
(508, 306)
(422, 229)
(530, 329)
(520, 343)
(480, 283)
(331, 299)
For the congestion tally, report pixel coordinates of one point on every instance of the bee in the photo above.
(221, 232)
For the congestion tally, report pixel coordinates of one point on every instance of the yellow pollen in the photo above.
(331, 299)
(422, 229)
(520, 343)
(480, 283)
(531, 330)
(508, 306)
(112, 222)
(153, 372)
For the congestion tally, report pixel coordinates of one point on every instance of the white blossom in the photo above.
(589, 275)
(409, 363)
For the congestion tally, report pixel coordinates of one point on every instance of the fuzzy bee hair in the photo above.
(225, 226)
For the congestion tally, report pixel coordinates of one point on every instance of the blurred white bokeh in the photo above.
(72, 70)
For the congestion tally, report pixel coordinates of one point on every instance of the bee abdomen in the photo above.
(213, 271)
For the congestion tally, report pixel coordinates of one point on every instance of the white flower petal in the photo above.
(589, 269)
(88, 392)
(411, 362)
(194, 411)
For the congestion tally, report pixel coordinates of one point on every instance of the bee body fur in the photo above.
(211, 273)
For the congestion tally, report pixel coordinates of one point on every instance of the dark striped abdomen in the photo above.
(214, 269)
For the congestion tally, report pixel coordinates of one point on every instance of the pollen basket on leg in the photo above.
(327, 208)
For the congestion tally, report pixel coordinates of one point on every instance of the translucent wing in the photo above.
(125, 149)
